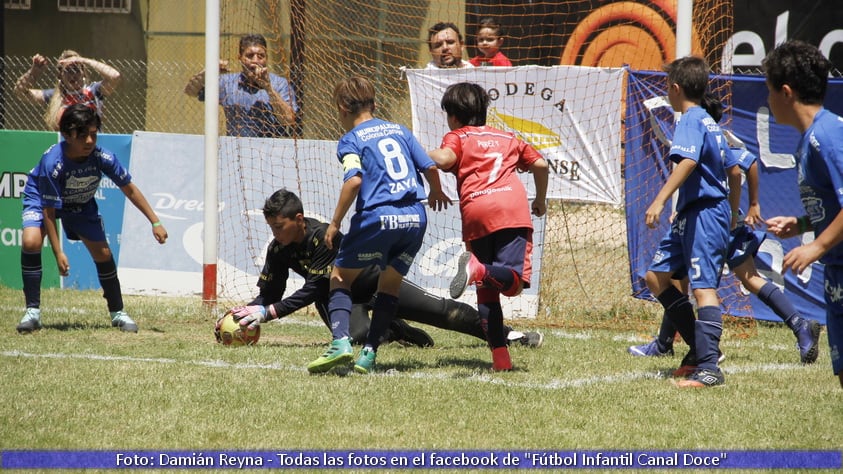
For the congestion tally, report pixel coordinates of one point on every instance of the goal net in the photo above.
(574, 115)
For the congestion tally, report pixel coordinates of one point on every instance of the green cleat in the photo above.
(338, 353)
(366, 362)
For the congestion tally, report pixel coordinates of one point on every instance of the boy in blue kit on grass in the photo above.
(699, 235)
(744, 242)
(382, 164)
(62, 186)
(797, 79)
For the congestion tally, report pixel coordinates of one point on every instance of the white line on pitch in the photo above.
(555, 384)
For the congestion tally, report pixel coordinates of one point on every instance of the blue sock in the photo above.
(31, 272)
(709, 327)
(680, 312)
(339, 309)
(773, 297)
(382, 314)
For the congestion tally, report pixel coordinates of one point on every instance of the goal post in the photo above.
(211, 192)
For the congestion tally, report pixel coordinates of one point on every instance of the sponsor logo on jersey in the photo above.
(400, 221)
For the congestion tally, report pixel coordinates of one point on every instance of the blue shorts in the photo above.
(697, 240)
(82, 225)
(510, 248)
(386, 235)
(743, 243)
(834, 314)
(76, 225)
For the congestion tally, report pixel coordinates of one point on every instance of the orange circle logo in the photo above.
(626, 33)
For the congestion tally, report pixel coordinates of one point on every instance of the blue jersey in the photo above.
(247, 108)
(390, 161)
(70, 186)
(740, 157)
(698, 137)
(819, 158)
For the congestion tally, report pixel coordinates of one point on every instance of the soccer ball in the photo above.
(232, 334)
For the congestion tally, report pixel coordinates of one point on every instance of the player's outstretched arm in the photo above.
(436, 198)
(801, 257)
(53, 236)
(753, 213)
(137, 198)
(348, 194)
(680, 173)
(443, 157)
(540, 177)
(785, 227)
(733, 177)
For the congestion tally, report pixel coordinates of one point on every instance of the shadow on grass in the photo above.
(77, 326)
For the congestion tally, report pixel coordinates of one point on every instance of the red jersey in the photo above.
(492, 196)
(497, 60)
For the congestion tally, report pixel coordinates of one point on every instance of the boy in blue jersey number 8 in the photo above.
(382, 166)
(797, 79)
(699, 235)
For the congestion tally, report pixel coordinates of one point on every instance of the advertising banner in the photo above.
(169, 170)
(21, 151)
(570, 114)
(752, 123)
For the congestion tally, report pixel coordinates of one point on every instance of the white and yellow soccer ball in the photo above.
(230, 333)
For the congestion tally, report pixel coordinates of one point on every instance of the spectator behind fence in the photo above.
(72, 84)
(445, 43)
(256, 102)
(489, 40)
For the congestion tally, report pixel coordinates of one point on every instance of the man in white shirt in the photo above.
(445, 43)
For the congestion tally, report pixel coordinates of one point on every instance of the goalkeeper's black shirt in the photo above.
(313, 261)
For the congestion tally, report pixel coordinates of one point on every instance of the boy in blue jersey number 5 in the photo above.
(62, 186)
(797, 79)
(699, 235)
(382, 165)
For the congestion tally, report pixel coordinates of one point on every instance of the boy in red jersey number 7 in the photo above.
(496, 223)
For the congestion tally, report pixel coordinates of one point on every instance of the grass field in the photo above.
(80, 384)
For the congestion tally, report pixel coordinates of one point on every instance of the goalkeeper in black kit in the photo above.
(298, 245)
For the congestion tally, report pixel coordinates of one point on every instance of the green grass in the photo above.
(80, 384)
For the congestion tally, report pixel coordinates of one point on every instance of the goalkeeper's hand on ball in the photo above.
(249, 316)
(217, 326)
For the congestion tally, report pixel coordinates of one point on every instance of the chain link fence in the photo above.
(149, 97)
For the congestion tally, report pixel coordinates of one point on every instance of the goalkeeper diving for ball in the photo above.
(298, 245)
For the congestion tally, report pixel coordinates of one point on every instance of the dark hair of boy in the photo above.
(282, 203)
(467, 102)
